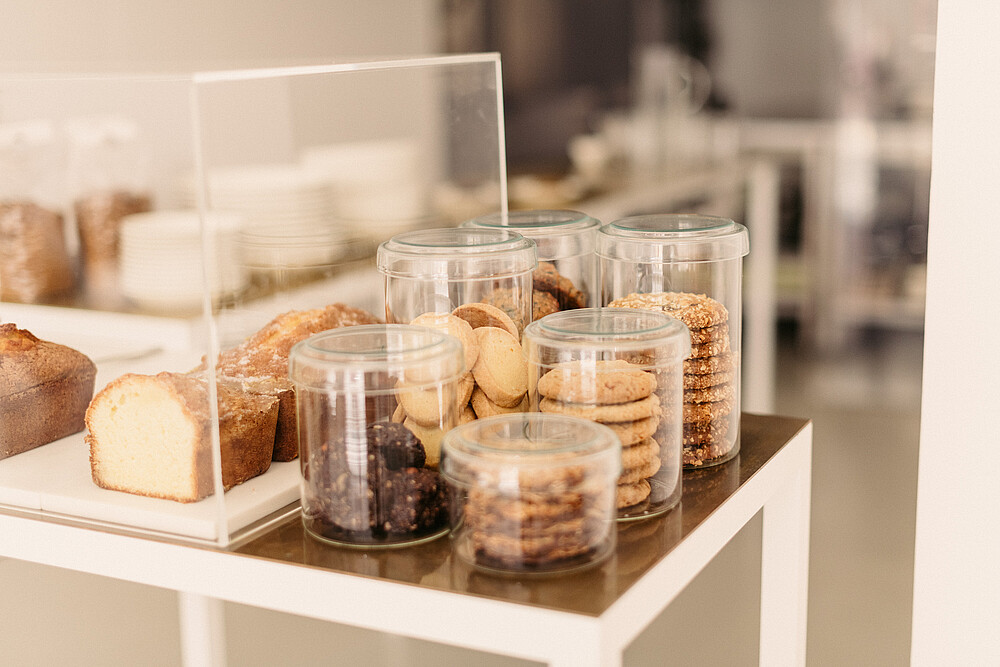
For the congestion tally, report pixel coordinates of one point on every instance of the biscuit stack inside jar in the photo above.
(532, 493)
(366, 479)
(566, 276)
(474, 284)
(621, 368)
(689, 267)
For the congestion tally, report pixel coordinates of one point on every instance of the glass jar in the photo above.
(438, 270)
(373, 402)
(690, 267)
(622, 368)
(566, 276)
(531, 492)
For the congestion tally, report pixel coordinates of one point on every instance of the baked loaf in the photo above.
(44, 390)
(150, 435)
(260, 363)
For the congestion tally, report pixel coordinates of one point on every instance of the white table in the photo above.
(582, 619)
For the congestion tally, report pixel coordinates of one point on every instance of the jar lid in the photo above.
(611, 330)
(452, 253)
(558, 233)
(673, 238)
(494, 450)
(340, 359)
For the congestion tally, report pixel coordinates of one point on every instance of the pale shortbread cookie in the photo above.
(466, 415)
(455, 326)
(643, 471)
(596, 382)
(423, 404)
(628, 495)
(484, 407)
(500, 371)
(631, 433)
(484, 315)
(430, 438)
(613, 413)
(697, 311)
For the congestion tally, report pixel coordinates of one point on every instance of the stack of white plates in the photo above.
(378, 188)
(162, 263)
(286, 208)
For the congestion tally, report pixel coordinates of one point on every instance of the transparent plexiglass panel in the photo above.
(179, 232)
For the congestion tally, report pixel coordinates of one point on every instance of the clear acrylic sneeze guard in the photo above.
(195, 224)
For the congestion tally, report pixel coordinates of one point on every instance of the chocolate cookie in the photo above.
(546, 278)
(394, 446)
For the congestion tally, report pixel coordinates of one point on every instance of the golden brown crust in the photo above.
(697, 311)
(44, 390)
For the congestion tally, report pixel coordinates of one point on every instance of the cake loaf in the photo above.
(150, 435)
(44, 390)
(260, 363)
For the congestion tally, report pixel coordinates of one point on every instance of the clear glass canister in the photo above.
(566, 276)
(690, 267)
(531, 492)
(373, 402)
(622, 368)
(474, 284)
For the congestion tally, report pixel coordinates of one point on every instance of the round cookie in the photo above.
(696, 434)
(598, 382)
(631, 433)
(644, 471)
(696, 413)
(707, 380)
(484, 315)
(466, 415)
(546, 278)
(709, 394)
(612, 413)
(709, 334)
(632, 494)
(542, 304)
(639, 453)
(484, 407)
(430, 437)
(455, 326)
(697, 311)
(705, 365)
(500, 371)
(711, 349)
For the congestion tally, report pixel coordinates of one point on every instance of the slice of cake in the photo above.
(150, 435)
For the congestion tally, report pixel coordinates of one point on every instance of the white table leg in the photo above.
(785, 570)
(203, 630)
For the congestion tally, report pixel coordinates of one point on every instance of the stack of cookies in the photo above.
(551, 292)
(709, 373)
(496, 382)
(620, 395)
(550, 519)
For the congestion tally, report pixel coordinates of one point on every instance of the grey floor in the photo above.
(864, 402)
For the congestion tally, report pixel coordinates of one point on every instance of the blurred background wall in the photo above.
(833, 95)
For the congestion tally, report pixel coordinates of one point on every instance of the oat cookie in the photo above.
(714, 394)
(697, 455)
(709, 334)
(710, 349)
(500, 371)
(705, 432)
(618, 412)
(722, 363)
(600, 382)
(707, 380)
(631, 433)
(484, 315)
(697, 311)
(632, 494)
(697, 413)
